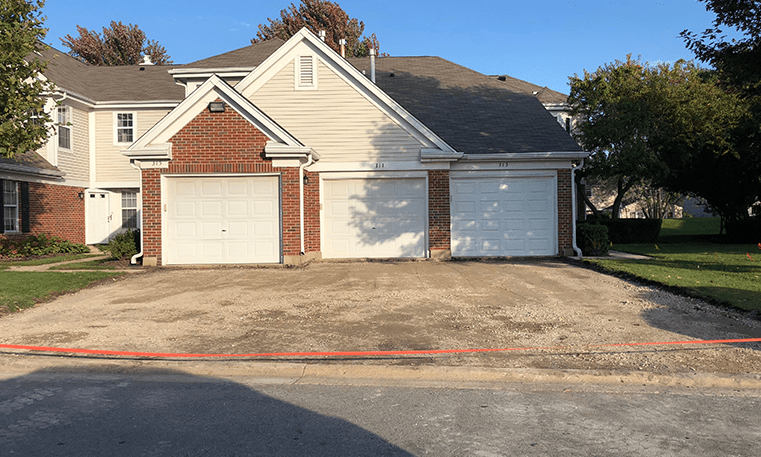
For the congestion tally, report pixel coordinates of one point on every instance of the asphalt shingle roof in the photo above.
(473, 112)
(106, 84)
(249, 56)
(31, 160)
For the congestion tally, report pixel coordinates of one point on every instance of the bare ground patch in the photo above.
(563, 310)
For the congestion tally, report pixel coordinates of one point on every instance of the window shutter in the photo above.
(2, 206)
(24, 203)
(306, 71)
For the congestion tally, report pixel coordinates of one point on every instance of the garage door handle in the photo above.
(223, 231)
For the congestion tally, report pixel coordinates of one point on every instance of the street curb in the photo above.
(21, 364)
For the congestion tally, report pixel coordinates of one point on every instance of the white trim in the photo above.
(333, 176)
(207, 72)
(550, 155)
(217, 175)
(116, 185)
(477, 174)
(69, 126)
(92, 147)
(115, 126)
(298, 82)
(379, 166)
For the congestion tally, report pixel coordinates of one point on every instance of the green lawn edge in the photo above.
(23, 289)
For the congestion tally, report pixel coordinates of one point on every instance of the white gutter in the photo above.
(133, 260)
(301, 197)
(575, 209)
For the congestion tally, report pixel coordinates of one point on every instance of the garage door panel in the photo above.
(221, 220)
(374, 218)
(521, 210)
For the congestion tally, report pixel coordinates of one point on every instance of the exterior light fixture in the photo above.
(306, 180)
(217, 107)
(81, 195)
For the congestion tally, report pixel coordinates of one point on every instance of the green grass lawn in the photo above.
(22, 289)
(725, 273)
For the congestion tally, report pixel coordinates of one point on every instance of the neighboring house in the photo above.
(281, 152)
(602, 198)
(553, 101)
(79, 186)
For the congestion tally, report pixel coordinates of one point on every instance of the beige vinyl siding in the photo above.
(335, 120)
(110, 164)
(76, 163)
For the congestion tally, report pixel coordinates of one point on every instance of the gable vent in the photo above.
(306, 71)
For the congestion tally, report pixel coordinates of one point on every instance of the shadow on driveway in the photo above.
(165, 412)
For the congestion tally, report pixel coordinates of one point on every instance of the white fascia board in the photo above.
(153, 152)
(257, 78)
(207, 72)
(437, 155)
(136, 104)
(518, 156)
(273, 149)
(196, 102)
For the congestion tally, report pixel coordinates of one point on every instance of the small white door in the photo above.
(374, 218)
(503, 216)
(217, 220)
(98, 218)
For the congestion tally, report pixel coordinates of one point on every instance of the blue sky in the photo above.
(540, 41)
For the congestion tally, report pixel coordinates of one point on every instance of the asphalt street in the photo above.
(162, 411)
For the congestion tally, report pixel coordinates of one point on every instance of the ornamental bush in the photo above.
(592, 239)
(39, 245)
(123, 245)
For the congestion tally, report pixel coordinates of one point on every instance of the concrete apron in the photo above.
(25, 364)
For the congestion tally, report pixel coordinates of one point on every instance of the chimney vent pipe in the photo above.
(372, 65)
(342, 42)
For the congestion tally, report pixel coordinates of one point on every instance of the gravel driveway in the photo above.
(394, 306)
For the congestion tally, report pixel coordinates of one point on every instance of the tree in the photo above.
(120, 45)
(24, 125)
(738, 66)
(613, 120)
(662, 126)
(317, 15)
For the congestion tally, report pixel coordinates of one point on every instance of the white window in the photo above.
(129, 210)
(306, 72)
(124, 127)
(64, 127)
(10, 206)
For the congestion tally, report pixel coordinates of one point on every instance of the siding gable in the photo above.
(335, 119)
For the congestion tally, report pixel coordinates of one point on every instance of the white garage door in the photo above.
(214, 220)
(374, 218)
(503, 216)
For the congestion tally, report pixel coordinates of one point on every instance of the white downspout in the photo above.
(301, 197)
(133, 260)
(575, 209)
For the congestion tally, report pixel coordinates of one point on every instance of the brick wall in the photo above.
(56, 211)
(227, 143)
(565, 210)
(439, 235)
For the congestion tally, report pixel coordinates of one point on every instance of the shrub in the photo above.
(123, 245)
(630, 231)
(39, 245)
(744, 231)
(592, 239)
